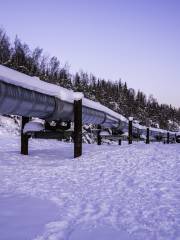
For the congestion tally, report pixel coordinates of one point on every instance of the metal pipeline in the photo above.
(16, 100)
(27, 102)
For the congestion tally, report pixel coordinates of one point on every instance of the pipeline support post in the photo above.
(99, 139)
(77, 128)
(147, 136)
(167, 137)
(24, 137)
(130, 133)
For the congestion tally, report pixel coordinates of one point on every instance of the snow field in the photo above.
(134, 188)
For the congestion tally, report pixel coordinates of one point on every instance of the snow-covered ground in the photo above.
(111, 192)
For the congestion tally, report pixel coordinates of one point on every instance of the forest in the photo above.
(114, 94)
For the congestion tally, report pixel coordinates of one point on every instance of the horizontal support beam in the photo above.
(49, 134)
(111, 137)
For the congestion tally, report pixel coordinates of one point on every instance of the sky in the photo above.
(135, 40)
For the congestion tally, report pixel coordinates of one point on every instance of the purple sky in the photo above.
(136, 40)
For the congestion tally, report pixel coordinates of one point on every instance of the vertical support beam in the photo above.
(77, 128)
(130, 133)
(99, 135)
(147, 136)
(119, 142)
(24, 137)
(167, 137)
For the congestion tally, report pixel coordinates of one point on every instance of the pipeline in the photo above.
(19, 100)
(26, 96)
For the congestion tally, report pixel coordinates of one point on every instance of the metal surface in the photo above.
(15, 100)
(77, 128)
(130, 132)
(23, 102)
(147, 136)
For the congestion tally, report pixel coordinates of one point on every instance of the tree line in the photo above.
(113, 94)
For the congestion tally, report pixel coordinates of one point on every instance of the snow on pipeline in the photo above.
(111, 192)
